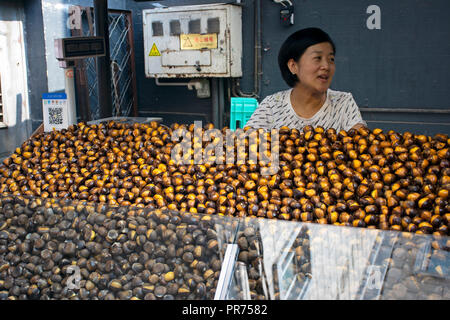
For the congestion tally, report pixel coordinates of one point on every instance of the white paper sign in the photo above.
(55, 111)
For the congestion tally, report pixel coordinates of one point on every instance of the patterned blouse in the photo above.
(339, 112)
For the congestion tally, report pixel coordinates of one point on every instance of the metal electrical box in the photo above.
(193, 41)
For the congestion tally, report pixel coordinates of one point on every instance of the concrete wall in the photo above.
(402, 66)
(13, 67)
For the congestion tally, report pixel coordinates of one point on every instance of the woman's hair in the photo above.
(294, 47)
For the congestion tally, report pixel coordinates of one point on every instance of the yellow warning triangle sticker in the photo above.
(187, 42)
(154, 52)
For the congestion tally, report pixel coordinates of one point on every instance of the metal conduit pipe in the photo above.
(405, 110)
(221, 103)
(215, 101)
(103, 63)
(257, 57)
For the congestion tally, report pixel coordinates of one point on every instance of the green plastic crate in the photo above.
(241, 111)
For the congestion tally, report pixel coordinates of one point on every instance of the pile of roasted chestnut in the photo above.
(359, 178)
(63, 249)
(106, 211)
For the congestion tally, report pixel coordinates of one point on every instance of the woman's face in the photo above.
(315, 68)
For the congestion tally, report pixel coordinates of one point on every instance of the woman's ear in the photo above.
(293, 66)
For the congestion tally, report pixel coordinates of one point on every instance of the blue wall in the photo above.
(405, 64)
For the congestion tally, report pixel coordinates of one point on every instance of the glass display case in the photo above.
(63, 249)
(292, 261)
